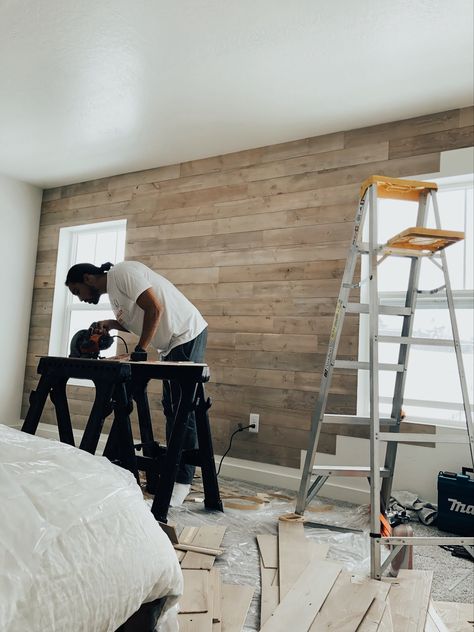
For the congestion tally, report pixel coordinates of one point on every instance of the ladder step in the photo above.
(419, 238)
(353, 364)
(409, 437)
(347, 470)
(405, 340)
(356, 421)
(388, 310)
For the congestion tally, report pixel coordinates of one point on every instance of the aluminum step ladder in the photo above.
(416, 243)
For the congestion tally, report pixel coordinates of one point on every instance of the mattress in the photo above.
(79, 547)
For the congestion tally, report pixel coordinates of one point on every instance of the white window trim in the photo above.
(62, 300)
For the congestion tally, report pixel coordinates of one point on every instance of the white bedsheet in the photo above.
(79, 548)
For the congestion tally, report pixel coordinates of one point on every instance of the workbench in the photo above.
(117, 383)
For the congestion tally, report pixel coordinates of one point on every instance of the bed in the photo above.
(79, 547)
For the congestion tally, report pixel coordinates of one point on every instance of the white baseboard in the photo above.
(248, 471)
(286, 478)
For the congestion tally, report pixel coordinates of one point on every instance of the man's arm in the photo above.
(153, 310)
(106, 325)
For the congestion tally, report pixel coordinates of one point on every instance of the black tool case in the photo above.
(456, 502)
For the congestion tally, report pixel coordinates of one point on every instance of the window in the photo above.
(432, 390)
(92, 243)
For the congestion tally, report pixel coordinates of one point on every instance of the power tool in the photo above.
(87, 344)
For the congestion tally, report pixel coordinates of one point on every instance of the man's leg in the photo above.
(193, 351)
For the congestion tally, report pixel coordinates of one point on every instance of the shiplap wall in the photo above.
(258, 241)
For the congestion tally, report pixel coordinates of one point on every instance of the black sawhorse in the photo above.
(190, 377)
(114, 382)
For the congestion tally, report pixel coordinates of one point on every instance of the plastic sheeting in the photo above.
(79, 547)
(239, 564)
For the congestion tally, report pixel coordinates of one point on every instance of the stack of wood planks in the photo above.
(207, 604)
(303, 591)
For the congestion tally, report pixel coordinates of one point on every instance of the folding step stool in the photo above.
(416, 243)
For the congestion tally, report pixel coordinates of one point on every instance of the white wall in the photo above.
(20, 207)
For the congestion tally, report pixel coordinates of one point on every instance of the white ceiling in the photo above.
(93, 88)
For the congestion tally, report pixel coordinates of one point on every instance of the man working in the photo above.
(148, 305)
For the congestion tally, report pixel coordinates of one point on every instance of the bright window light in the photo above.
(432, 390)
(91, 243)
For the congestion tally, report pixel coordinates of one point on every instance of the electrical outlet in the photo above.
(254, 419)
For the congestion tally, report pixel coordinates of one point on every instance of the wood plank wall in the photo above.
(257, 240)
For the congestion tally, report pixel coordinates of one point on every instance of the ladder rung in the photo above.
(405, 340)
(353, 364)
(356, 421)
(347, 470)
(428, 541)
(409, 437)
(403, 252)
(388, 310)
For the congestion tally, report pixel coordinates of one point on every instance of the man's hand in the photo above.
(101, 327)
(104, 326)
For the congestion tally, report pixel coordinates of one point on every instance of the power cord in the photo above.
(126, 346)
(239, 429)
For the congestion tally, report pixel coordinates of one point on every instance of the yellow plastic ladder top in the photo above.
(398, 189)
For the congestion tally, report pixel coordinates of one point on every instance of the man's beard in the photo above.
(95, 295)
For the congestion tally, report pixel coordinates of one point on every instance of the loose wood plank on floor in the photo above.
(236, 600)
(293, 554)
(198, 622)
(371, 621)
(409, 612)
(386, 622)
(215, 586)
(305, 598)
(269, 593)
(215, 581)
(196, 592)
(345, 606)
(457, 616)
(268, 546)
(434, 623)
(207, 537)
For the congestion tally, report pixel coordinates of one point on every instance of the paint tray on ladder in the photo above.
(418, 241)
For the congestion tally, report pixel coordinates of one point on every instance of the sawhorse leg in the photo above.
(63, 418)
(170, 467)
(100, 409)
(119, 447)
(37, 401)
(140, 396)
(212, 498)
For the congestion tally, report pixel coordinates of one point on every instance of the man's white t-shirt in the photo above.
(180, 321)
